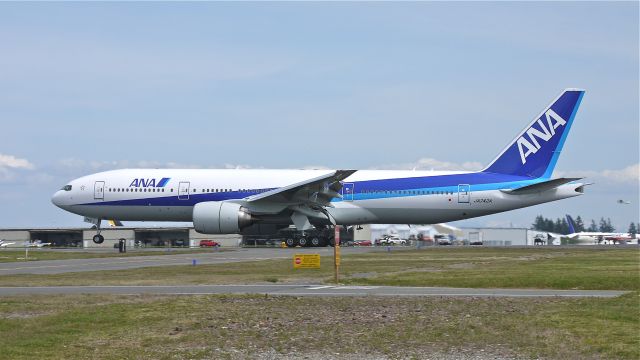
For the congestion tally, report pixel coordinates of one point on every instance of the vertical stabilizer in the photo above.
(572, 229)
(534, 152)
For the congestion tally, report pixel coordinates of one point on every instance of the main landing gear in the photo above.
(308, 238)
(98, 239)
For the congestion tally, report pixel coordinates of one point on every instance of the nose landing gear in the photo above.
(98, 239)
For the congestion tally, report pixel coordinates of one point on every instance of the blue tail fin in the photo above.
(534, 152)
(572, 230)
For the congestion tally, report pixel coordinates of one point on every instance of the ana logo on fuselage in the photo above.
(149, 182)
(531, 145)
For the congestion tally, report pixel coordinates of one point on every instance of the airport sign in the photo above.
(306, 261)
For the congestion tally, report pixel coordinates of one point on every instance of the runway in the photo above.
(46, 267)
(305, 290)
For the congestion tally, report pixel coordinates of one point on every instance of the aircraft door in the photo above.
(347, 191)
(183, 190)
(98, 190)
(464, 192)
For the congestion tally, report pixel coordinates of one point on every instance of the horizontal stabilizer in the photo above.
(540, 187)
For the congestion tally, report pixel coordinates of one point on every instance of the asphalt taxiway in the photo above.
(303, 290)
(47, 267)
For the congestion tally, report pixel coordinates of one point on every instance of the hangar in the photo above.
(376, 231)
(134, 236)
(493, 236)
(506, 236)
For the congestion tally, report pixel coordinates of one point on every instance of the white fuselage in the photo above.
(368, 196)
(595, 238)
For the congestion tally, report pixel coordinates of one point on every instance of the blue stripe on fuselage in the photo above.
(163, 182)
(363, 190)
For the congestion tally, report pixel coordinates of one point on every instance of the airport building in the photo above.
(137, 237)
(376, 231)
(134, 237)
(484, 236)
(505, 236)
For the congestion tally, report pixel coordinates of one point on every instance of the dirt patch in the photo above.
(468, 354)
(366, 275)
(461, 266)
(24, 314)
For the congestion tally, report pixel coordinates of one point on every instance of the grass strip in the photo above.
(233, 327)
(574, 268)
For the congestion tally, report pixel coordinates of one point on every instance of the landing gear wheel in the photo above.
(291, 242)
(303, 242)
(98, 239)
(315, 241)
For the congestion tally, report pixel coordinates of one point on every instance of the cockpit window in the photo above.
(66, 188)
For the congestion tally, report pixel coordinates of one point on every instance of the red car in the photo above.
(208, 243)
(362, 243)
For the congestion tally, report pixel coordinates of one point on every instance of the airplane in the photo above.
(259, 201)
(624, 202)
(585, 237)
(4, 243)
(36, 243)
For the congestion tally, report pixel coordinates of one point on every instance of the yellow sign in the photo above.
(306, 261)
(337, 251)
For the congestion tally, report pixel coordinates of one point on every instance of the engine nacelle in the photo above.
(220, 217)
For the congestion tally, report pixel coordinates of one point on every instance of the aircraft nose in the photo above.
(56, 199)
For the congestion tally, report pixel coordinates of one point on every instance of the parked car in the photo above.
(442, 239)
(208, 243)
(391, 240)
(362, 243)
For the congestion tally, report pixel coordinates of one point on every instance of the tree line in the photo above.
(560, 225)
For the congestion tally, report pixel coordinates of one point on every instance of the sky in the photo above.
(87, 87)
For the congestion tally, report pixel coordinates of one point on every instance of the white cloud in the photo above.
(629, 174)
(315, 167)
(237, 166)
(433, 164)
(10, 167)
(84, 167)
(10, 161)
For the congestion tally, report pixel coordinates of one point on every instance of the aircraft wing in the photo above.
(306, 199)
(540, 187)
(317, 191)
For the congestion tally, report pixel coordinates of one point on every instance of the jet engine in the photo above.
(220, 217)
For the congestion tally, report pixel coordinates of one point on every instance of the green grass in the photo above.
(169, 327)
(54, 254)
(506, 268)
(565, 268)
